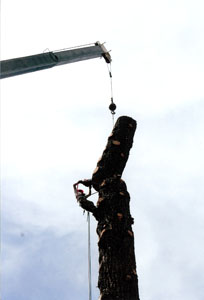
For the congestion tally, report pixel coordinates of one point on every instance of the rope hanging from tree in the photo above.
(89, 255)
(81, 197)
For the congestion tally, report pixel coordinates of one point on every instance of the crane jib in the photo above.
(27, 64)
(22, 65)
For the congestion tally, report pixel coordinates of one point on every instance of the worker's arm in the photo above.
(82, 198)
(85, 182)
(75, 188)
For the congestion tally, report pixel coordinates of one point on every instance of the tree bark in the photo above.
(117, 267)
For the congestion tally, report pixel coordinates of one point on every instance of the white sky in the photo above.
(54, 126)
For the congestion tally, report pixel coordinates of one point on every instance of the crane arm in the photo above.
(27, 64)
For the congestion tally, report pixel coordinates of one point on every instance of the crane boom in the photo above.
(27, 64)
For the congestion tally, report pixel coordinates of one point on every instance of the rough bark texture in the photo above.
(116, 153)
(117, 266)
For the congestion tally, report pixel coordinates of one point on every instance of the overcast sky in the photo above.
(54, 127)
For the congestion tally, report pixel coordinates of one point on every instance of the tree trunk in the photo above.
(117, 267)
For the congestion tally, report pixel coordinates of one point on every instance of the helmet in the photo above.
(80, 191)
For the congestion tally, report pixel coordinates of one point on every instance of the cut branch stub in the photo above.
(116, 153)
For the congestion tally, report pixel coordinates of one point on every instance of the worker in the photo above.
(80, 195)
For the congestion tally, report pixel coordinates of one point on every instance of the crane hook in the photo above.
(112, 107)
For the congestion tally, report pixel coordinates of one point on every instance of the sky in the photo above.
(54, 127)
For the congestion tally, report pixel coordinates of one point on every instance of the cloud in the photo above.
(46, 265)
(55, 125)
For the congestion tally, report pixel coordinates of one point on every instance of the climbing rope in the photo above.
(89, 255)
(89, 251)
(112, 106)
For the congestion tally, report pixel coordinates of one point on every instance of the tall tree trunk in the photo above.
(117, 267)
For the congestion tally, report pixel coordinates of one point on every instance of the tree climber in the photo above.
(82, 197)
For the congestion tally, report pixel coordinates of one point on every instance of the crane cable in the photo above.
(112, 106)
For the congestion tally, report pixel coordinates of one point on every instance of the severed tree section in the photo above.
(117, 267)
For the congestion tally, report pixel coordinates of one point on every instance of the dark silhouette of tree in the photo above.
(117, 266)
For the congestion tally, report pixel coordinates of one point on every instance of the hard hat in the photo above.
(80, 191)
